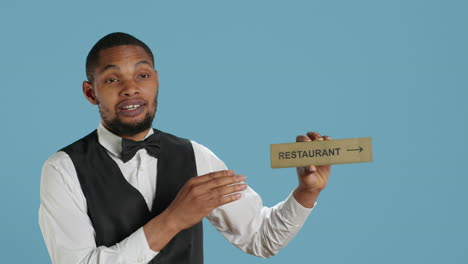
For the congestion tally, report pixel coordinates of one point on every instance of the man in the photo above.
(129, 194)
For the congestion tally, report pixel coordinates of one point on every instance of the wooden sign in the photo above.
(325, 152)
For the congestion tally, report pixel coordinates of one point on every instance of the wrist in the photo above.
(159, 231)
(309, 190)
(305, 196)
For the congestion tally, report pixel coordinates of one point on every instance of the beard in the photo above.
(129, 129)
(116, 126)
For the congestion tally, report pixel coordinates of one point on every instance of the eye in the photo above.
(144, 76)
(111, 80)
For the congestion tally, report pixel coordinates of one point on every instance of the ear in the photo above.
(88, 92)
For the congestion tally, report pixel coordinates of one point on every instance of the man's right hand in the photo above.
(197, 198)
(200, 195)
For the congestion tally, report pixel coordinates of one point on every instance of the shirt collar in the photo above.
(111, 141)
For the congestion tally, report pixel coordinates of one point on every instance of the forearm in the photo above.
(259, 230)
(159, 231)
(305, 197)
(133, 249)
(72, 241)
(281, 225)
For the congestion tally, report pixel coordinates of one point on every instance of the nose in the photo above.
(129, 88)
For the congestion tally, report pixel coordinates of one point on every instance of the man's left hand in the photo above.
(312, 179)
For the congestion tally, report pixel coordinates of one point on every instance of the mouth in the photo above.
(131, 108)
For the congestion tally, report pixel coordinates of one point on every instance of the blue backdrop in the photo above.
(237, 76)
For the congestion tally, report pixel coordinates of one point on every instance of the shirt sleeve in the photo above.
(246, 223)
(67, 228)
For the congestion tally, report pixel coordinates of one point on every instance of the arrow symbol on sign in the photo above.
(359, 149)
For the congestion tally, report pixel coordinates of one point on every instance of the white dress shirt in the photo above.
(70, 236)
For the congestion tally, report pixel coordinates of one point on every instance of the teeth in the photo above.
(128, 107)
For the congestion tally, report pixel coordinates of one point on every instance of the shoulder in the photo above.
(58, 171)
(60, 188)
(59, 161)
(172, 138)
(201, 149)
(82, 144)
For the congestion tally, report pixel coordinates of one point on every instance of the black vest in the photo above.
(117, 209)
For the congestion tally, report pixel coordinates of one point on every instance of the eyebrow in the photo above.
(113, 66)
(143, 62)
(110, 66)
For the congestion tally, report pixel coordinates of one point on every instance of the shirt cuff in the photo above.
(135, 248)
(298, 213)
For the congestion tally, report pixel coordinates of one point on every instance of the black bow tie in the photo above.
(130, 147)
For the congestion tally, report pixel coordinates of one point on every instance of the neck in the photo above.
(137, 137)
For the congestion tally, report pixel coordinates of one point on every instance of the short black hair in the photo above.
(109, 41)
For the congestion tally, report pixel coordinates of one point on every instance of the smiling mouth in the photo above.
(131, 107)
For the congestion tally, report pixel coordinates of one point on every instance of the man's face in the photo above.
(125, 88)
